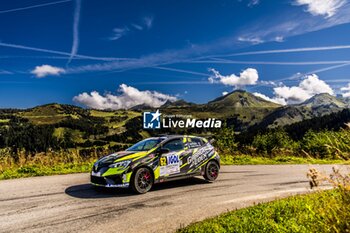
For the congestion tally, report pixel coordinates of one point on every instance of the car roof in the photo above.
(173, 136)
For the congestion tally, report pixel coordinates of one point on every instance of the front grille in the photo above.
(115, 179)
(98, 180)
(100, 169)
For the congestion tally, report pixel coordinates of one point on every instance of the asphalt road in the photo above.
(67, 203)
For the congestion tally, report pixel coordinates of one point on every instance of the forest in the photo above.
(79, 137)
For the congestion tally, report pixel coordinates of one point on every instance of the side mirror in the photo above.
(211, 141)
(163, 150)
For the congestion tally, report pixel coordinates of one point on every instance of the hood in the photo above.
(121, 155)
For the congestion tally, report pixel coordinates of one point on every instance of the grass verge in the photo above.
(64, 164)
(326, 211)
(40, 170)
(252, 160)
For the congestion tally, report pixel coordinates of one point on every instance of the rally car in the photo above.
(155, 160)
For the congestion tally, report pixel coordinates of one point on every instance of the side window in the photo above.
(174, 145)
(195, 142)
(149, 145)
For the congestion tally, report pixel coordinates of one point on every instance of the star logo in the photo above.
(156, 115)
(151, 120)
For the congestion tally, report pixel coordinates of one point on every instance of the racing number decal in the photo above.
(163, 161)
(169, 164)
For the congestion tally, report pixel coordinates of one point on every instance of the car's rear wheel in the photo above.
(211, 171)
(142, 180)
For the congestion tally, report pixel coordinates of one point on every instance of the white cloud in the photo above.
(268, 83)
(137, 26)
(322, 7)
(224, 93)
(246, 77)
(252, 40)
(307, 88)
(148, 21)
(291, 22)
(119, 32)
(274, 99)
(45, 70)
(253, 3)
(279, 39)
(128, 97)
(346, 91)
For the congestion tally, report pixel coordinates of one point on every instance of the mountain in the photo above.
(322, 104)
(141, 107)
(177, 104)
(240, 108)
(346, 100)
(317, 106)
(239, 99)
(52, 113)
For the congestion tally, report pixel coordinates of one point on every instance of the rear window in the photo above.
(195, 142)
(174, 145)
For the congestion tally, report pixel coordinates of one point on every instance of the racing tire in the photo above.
(142, 180)
(211, 171)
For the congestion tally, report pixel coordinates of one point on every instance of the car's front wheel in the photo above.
(211, 171)
(142, 180)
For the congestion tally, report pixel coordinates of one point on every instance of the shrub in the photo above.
(279, 139)
(327, 144)
(225, 140)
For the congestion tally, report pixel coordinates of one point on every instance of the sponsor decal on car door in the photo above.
(169, 164)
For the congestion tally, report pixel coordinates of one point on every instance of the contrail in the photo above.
(16, 46)
(180, 71)
(297, 76)
(306, 49)
(5, 72)
(75, 30)
(270, 62)
(174, 83)
(34, 6)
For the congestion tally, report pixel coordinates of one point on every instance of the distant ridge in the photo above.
(239, 108)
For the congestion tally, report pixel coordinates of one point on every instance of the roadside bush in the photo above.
(270, 141)
(327, 144)
(225, 140)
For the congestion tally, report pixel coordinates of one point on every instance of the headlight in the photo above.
(122, 164)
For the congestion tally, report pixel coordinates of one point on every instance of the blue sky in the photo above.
(117, 54)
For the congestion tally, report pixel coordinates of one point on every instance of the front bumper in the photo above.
(113, 181)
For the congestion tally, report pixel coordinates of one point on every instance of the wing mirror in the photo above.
(163, 150)
(211, 141)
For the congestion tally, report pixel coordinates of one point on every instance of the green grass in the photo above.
(252, 160)
(326, 211)
(54, 167)
(40, 170)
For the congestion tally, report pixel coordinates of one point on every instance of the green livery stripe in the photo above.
(183, 165)
(157, 173)
(127, 177)
(133, 156)
(205, 162)
(113, 171)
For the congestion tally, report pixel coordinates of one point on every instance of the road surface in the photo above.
(67, 203)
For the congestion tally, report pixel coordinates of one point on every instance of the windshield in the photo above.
(144, 145)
